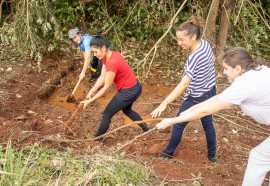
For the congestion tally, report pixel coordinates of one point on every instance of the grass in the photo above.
(35, 165)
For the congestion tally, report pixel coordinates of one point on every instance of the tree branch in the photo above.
(141, 64)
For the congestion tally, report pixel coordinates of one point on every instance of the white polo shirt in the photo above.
(251, 91)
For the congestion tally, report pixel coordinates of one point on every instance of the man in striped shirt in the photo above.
(197, 84)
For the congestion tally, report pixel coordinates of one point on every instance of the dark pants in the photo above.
(206, 122)
(96, 66)
(123, 100)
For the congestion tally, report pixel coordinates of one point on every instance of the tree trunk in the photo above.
(1, 3)
(224, 25)
(210, 26)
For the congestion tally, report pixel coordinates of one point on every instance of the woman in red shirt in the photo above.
(115, 70)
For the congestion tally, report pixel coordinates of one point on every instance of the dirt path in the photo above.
(27, 119)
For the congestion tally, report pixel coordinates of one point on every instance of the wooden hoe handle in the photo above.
(76, 86)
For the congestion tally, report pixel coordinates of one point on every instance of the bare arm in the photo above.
(178, 91)
(109, 78)
(99, 83)
(87, 58)
(200, 110)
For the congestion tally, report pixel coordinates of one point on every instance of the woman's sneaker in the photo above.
(164, 155)
(213, 159)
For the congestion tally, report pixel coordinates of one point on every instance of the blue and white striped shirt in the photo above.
(200, 69)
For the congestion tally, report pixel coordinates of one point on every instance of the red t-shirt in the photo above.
(124, 76)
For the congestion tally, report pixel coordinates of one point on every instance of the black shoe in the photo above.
(94, 76)
(144, 127)
(164, 155)
(92, 79)
(213, 159)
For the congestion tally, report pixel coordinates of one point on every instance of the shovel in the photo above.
(71, 98)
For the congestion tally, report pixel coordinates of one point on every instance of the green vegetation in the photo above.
(40, 166)
(251, 28)
(36, 27)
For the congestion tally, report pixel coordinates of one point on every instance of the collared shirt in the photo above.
(85, 43)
